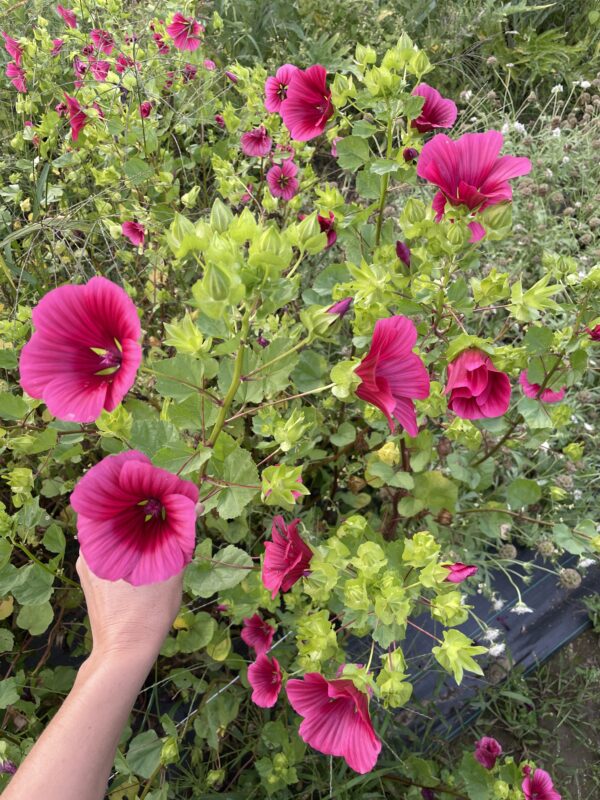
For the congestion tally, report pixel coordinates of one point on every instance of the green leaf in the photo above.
(225, 570)
(179, 377)
(353, 152)
(564, 537)
(181, 459)
(8, 359)
(538, 339)
(344, 435)
(523, 492)
(137, 170)
(8, 692)
(435, 491)
(143, 755)
(54, 539)
(35, 618)
(12, 406)
(35, 585)
(198, 635)
(238, 468)
(7, 641)
(478, 780)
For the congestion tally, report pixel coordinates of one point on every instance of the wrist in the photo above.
(122, 663)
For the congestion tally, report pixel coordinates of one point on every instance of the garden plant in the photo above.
(267, 321)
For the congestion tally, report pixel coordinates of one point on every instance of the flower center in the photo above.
(283, 180)
(109, 359)
(282, 91)
(154, 509)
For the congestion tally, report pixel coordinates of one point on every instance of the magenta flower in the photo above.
(307, 105)
(68, 16)
(209, 64)
(77, 117)
(392, 376)
(403, 252)
(13, 48)
(185, 32)
(220, 120)
(189, 72)
(264, 676)
(257, 634)
(459, 572)
(84, 353)
(135, 232)
(7, 767)
(276, 87)
(476, 388)
(538, 785)
(123, 62)
(594, 333)
(60, 109)
(163, 47)
(410, 154)
(134, 521)
(282, 181)
(341, 307)
(231, 76)
(17, 76)
(57, 45)
(326, 224)
(336, 719)
(533, 390)
(334, 143)
(437, 111)
(145, 109)
(469, 172)
(487, 751)
(287, 557)
(256, 142)
(103, 41)
(99, 69)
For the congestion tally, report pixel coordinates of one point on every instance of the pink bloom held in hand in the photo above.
(185, 32)
(533, 390)
(84, 353)
(336, 719)
(538, 785)
(307, 105)
(17, 76)
(134, 521)
(57, 45)
(276, 87)
(134, 231)
(77, 117)
(145, 109)
(476, 388)
(437, 111)
(326, 224)
(257, 634)
(68, 16)
(487, 751)
(103, 40)
(13, 48)
(459, 572)
(392, 376)
(282, 181)
(264, 676)
(256, 142)
(469, 172)
(287, 557)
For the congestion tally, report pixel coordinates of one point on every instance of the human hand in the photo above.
(129, 621)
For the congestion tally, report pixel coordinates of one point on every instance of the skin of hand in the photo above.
(73, 757)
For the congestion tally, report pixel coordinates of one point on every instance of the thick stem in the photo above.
(386, 179)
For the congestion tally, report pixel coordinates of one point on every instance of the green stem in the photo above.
(236, 380)
(498, 444)
(293, 349)
(183, 382)
(150, 781)
(45, 567)
(386, 178)
(256, 409)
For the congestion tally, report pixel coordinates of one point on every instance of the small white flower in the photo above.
(585, 84)
(504, 530)
(466, 95)
(492, 634)
(566, 159)
(498, 603)
(520, 128)
(545, 446)
(510, 65)
(577, 494)
(586, 562)
(556, 133)
(505, 128)
(557, 89)
(521, 608)
(497, 649)
(589, 428)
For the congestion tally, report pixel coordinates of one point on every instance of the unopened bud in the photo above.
(410, 154)
(341, 307)
(403, 252)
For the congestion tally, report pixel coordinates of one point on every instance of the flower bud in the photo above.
(410, 154)
(403, 252)
(341, 307)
